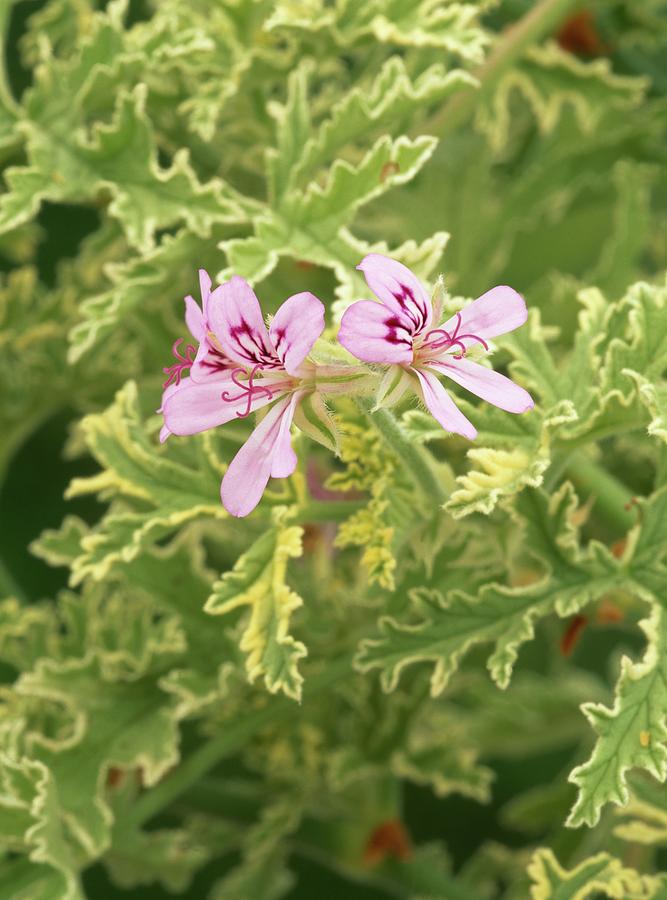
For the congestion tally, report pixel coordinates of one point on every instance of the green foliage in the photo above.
(549, 79)
(600, 875)
(153, 495)
(258, 581)
(441, 629)
(632, 733)
(374, 527)
(295, 703)
(29, 811)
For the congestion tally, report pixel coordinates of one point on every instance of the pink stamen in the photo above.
(249, 389)
(448, 340)
(175, 371)
(436, 343)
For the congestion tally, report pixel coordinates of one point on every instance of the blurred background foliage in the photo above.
(142, 140)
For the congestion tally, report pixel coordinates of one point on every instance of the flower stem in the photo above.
(611, 495)
(236, 734)
(541, 20)
(410, 454)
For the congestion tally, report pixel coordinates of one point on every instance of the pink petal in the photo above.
(204, 287)
(213, 299)
(235, 317)
(267, 450)
(209, 366)
(399, 289)
(295, 328)
(194, 319)
(496, 312)
(198, 406)
(487, 384)
(168, 391)
(284, 457)
(210, 363)
(373, 333)
(166, 394)
(442, 407)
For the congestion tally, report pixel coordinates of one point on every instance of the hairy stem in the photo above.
(236, 735)
(611, 496)
(540, 21)
(411, 455)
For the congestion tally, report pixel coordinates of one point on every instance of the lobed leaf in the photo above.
(258, 581)
(167, 493)
(631, 734)
(550, 78)
(441, 629)
(30, 826)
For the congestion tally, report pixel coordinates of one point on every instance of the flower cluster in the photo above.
(238, 366)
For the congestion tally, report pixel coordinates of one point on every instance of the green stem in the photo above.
(411, 455)
(231, 799)
(542, 20)
(6, 98)
(611, 495)
(209, 754)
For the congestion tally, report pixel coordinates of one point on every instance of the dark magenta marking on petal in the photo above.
(394, 325)
(257, 351)
(412, 309)
(215, 359)
(278, 337)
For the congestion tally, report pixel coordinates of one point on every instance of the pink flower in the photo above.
(400, 331)
(238, 368)
(204, 361)
(208, 361)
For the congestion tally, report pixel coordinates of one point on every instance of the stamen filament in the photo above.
(447, 340)
(249, 389)
(175, 371)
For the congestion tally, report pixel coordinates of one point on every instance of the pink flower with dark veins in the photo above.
(238, 368)
(205, 361)
(209, 360)
(400, 331)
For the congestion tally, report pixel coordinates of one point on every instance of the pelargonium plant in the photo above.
(361, 593)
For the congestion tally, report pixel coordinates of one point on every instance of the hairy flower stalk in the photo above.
(241, 367)
(399, 332)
